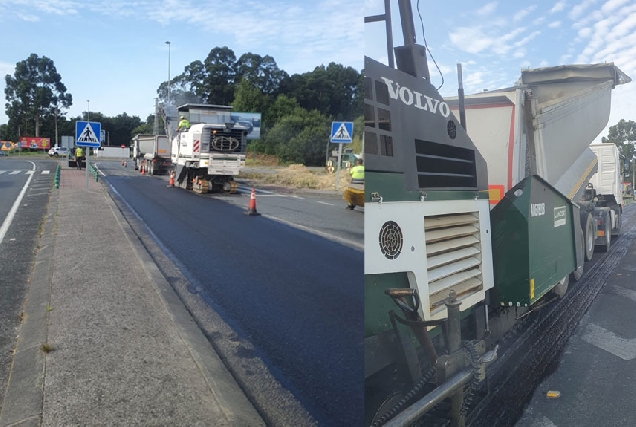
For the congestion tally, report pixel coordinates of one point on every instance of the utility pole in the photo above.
(168, 43)
(156, 128)
(55, 112)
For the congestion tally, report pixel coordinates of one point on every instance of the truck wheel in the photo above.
(588, 235)
(617, 230)
(608, 236)
(576, 275)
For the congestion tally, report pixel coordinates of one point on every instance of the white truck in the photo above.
(209, 154)
(152, 152)
(544, 126)
(606, 189)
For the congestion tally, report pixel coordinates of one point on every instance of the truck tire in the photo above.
(589, 237)
(619, 214)
(608, 236)
(576, 275)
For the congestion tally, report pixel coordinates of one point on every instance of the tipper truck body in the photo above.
(152, 152)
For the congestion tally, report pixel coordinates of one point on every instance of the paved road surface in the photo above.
(295, 295)
(18, 244)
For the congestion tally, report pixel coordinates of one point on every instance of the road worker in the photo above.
(183, 124)
(357, 172)
(78, 157)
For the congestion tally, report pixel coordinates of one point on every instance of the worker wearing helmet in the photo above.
(183, 124)
(357, 172)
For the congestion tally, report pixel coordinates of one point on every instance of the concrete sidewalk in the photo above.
(104, 339)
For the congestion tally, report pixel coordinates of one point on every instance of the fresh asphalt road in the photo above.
(321, 213)
(295, 295)
(18, 242)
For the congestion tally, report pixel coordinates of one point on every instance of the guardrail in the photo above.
(56, 179)
(93, 171)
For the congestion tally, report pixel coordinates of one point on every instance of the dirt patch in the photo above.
(252, 159)
(299, 176)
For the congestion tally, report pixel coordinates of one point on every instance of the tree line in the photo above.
(297, 109)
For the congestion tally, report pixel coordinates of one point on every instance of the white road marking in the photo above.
(610, 342)
(45, 172)
(1, 172)
(14, 208)
(623, 292)
(14, 172)
(324, 203)
(542, 422)
(346, 242)
(30, 172)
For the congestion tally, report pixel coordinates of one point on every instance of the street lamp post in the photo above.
(88, 119)
(168, 43)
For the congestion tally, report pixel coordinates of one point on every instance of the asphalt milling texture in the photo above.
(17, 252)
(104, 339)
(296, 296)
(596, 374)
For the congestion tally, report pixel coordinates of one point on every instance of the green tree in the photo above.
(210, 81)
(148, 128)
(248, 97)
(261, 71)
(356, 143)
(4, 131)
(623, 134)
(282, 106)
(34, 93)
(301, 137)
(220, 66)
(333, 90)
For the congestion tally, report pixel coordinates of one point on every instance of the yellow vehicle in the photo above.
(354, 194)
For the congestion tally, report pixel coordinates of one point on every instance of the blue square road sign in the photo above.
(87, 134)
(341, 132)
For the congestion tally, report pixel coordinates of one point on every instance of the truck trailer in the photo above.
(152, 152)
(543, 127)
(211, 152)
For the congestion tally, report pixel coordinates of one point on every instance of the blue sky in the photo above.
(494, 40)
(113, 52)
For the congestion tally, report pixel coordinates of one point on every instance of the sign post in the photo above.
(86, 136)
(341, 132)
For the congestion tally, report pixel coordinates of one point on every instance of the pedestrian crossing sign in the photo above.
(86, 134)
(342, 132)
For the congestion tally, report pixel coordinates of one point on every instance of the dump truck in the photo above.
(471, 223)
(211, 152)
(605, 190)
(565, 108)
(152, 152)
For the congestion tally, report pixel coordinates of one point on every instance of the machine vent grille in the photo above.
(453, 251)
(227, 140)
(391, 240)
(225, 143)
(441, 165)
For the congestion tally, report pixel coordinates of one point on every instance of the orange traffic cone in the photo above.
(171, 181)
(142, 170)
(251, 208)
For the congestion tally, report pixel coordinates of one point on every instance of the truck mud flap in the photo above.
(534, 242)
